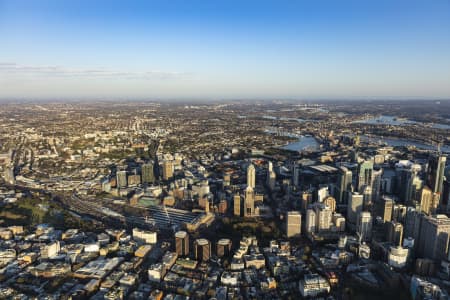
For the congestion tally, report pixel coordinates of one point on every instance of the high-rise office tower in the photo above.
(367, 196)
(354, 207)
(322, 193)
(249, 202)
(251, 176)
(395, 233)
(426, 200)
(399, 213)
(330, 202)
(434, 237)
(122, 179)
(310, 224)
(306, 200)
(365, 173)
(412, 224)
(223, 247)
(364, 226)
(435, 173)
(386, 207)
(182, 243)
(237, 205)
(271, 176)
(167, 170)
(295, 174)
(202, 248)
(147, 173)
(376, 184)
(413, 190)
(323, 217)
(293, 223)
(344, 185)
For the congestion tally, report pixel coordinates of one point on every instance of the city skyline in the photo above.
(224, 50)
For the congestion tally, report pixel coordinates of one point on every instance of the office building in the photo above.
(365, 173)
(147, 173)
(376, 184)
(168, 169)
(310, 224)
(202, 249)
(330, 202)
(395, 233)
(434, 237)
(398, 256)
(324, 218)
(271, 177)
(182, 243)
(251, 176)
(344, 185)
(122, 179)
(364, 226)
(237, 205)
(435, 173)
(354, 207)
(293, 223)
(223, 247)
(144, 236)
(385, 210)
(249, 202)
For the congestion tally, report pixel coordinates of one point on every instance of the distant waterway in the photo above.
(402, 142)
(394, 121)
(286, 119)
(304, 143)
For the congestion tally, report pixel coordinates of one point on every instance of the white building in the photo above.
(293, 223)
(144, 236)
(398, 257)
(310, 221)
(312, 285)
(155, 272)
(230, 278)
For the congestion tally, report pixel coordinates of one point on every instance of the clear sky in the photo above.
(226, 49)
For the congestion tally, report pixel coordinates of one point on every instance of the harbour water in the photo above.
(394, 121)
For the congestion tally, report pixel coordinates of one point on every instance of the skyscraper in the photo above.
(223, 247)
(344, 185)
(271, 176)
(355, 206)
(249, 202)
(147, 173)
(395, 233)
(435, 173)
(412, 223)
(434, 237)
(426, 200)
(182, 243)
(323, 217)
(295, 174)
(237, 205)
(293, 223)
(376, 184)
(167, 170)
(364, 226)
(251, 176)
(365, 173)
(202, 249)
(310, 223)
(330, 202)
(385, 208)
(121, 179)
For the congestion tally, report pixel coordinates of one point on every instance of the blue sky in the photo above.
(225, 49)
